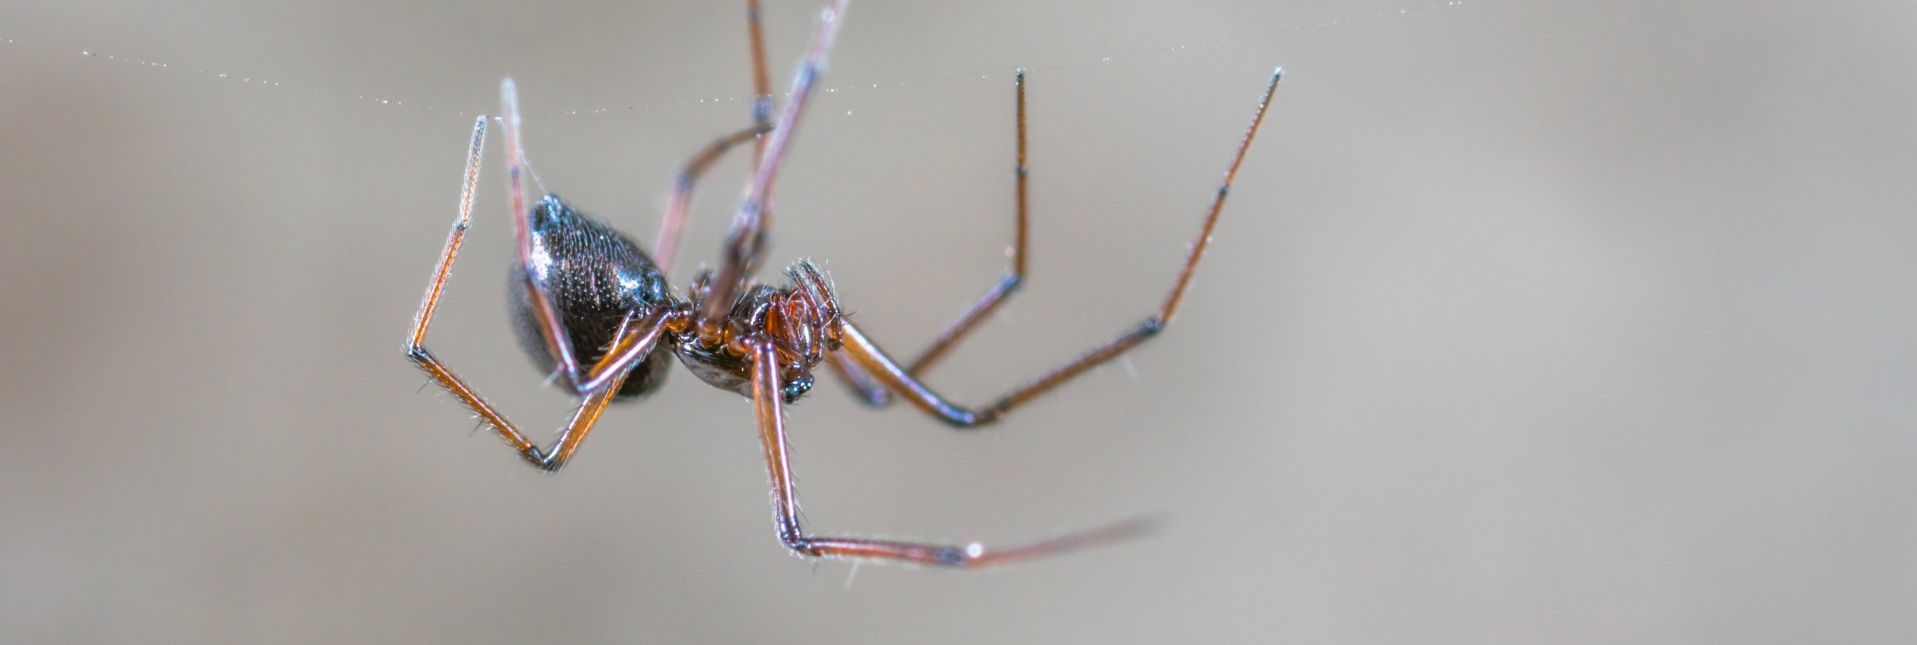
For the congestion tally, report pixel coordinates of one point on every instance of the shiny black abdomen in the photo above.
(595, 276)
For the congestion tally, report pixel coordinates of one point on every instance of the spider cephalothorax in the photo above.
(595, 312)
(799, 320)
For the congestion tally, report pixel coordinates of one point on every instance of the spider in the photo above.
(589, 304)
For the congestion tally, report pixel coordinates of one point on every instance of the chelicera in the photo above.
(593, 307)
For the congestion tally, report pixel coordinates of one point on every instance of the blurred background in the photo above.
(1526, 322)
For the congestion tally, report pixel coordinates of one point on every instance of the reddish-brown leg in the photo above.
(680, 202)
(785, 501)
(602, 381)
(745, 241)
(864, 386)
(541, 304)
(454, 238)
(569, 439)
(632, 343)
(863, 359)
(666, 249)
(1007, 285)
(866, 389)
(677, 206)
(761, 80)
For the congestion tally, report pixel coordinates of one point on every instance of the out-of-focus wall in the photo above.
(1559, 322)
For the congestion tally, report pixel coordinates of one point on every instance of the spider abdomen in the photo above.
(595, 277)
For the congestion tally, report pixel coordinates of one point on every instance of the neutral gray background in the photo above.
(1527, 322)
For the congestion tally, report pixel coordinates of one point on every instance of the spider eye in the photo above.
(797, 387)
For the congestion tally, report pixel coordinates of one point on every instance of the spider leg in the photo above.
(630, 343)
(761, 81)
(680, 202)
(550, 460)
(881, 368)
(1007, 285)
(541, 303)
(745, 241)
(865, 388)
(666, 249)
(785, 503)
(454, 238)
(612, 371)
(671, 228)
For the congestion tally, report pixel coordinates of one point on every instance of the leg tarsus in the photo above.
(454, 238)
(864, 387)
(972, 555)
(1014, 277)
